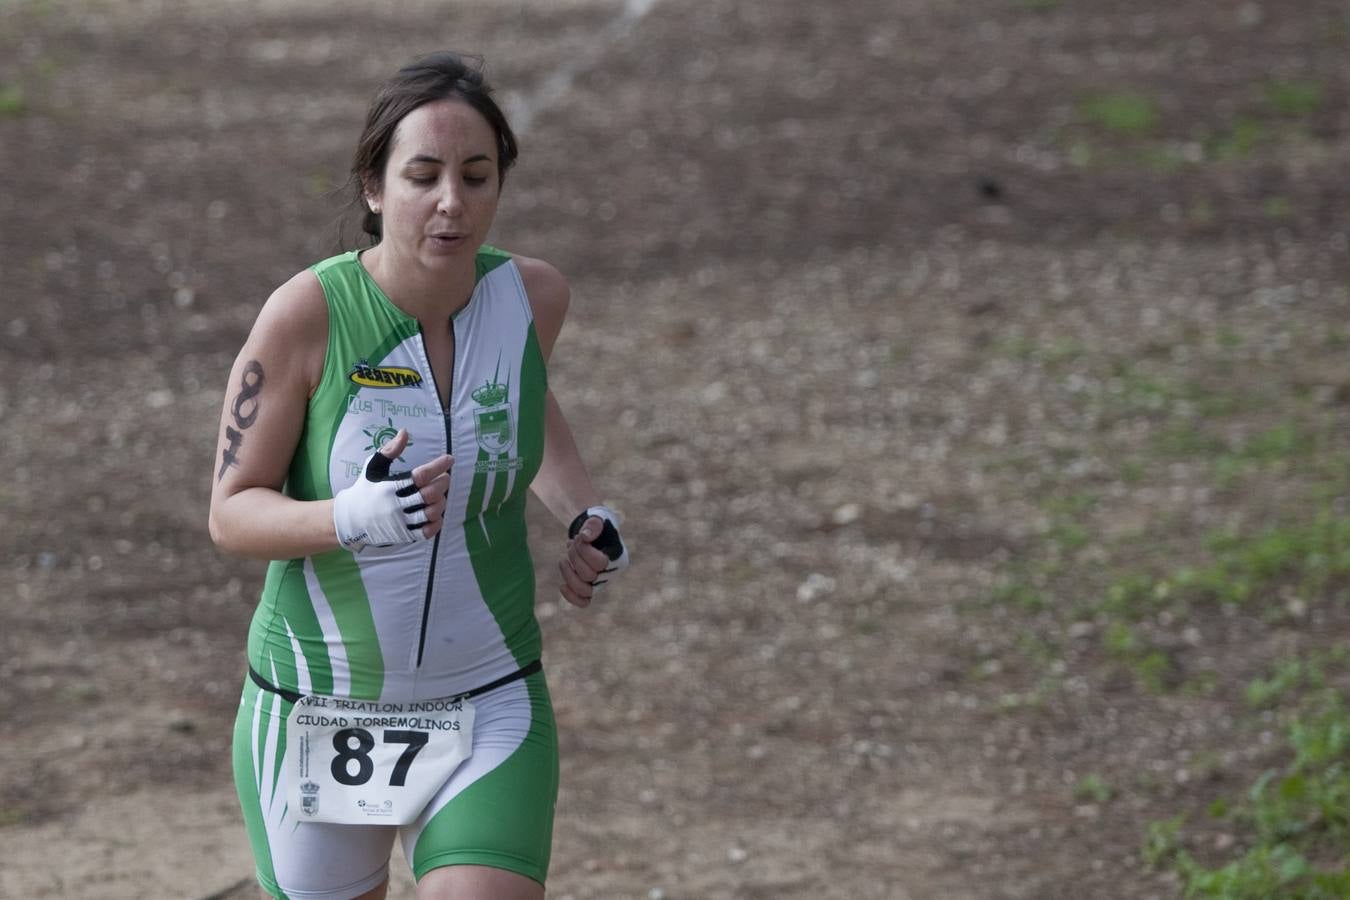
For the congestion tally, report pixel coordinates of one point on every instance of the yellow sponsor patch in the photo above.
(366, 375)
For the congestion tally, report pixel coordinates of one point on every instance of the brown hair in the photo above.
(436, 76)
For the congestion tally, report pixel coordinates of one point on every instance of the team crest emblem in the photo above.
(492, 419)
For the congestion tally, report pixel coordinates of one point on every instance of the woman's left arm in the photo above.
(562, 483)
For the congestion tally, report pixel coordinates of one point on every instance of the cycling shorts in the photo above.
(495, 810)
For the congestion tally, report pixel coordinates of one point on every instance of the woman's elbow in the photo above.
(221, 535)
(214, 529)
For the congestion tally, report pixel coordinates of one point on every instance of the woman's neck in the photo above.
(424, 294)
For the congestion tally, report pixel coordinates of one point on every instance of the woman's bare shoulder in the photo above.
(299, 301)
(549, 296)
(292, 327)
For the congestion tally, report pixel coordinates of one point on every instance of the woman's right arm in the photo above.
(271, 382)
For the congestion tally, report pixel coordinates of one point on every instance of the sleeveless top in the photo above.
(432, 618)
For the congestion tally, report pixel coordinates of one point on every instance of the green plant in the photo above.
(1285, 442)
(1094, 788)
(1120, 640)
(1240, 140)
(1297, 821)
(1277, 443)
(12, 101)
(1278, 207)
(1132, 596)
(1124, 112)
(1260, 875)
(1289, 675)
(1308, 557)
(1155, 670)
(1132, 471)
(1020, 594)
(1295, 97)
(1162, 841)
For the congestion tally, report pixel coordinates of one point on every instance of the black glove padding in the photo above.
(607, 542)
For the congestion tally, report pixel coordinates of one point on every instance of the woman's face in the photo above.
(440, 187)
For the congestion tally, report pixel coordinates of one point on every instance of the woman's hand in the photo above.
(383, 508)
(594, 552)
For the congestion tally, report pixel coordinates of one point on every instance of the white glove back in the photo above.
(380, 509)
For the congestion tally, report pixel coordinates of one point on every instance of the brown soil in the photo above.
(862, 291)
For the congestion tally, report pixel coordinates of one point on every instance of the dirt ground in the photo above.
(866, 295)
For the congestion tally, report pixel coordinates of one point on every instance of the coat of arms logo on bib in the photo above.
(309, 798)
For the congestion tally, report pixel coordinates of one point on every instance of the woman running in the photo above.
(381, 425)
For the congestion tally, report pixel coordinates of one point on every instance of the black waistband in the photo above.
(524, 672)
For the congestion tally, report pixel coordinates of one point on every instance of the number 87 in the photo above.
(365, 767)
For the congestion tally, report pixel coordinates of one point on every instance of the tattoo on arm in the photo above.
(244, 410)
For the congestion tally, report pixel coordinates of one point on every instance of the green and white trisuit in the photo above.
(416, 621)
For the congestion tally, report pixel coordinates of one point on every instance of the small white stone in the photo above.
(846, 514)
(814, 585)
(159, 399)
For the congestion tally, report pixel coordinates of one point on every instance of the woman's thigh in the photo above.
(314, 860)
(496, 810)
(477, 883)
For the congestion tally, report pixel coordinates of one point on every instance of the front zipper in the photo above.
(447, 417)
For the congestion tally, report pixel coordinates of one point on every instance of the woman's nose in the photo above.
(450, 202)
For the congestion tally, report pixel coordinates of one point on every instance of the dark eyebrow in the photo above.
(423, 158)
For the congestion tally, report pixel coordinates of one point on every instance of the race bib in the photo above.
(363, 762)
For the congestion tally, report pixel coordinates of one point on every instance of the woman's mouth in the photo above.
(447, 239)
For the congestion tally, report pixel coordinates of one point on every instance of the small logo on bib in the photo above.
(309, 798)
(366, 375)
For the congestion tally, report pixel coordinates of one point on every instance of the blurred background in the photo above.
(975, 380)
